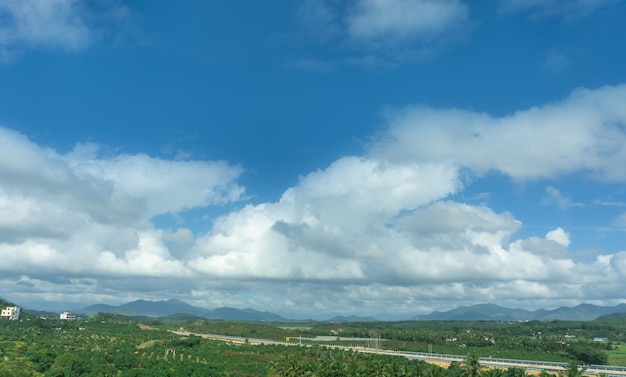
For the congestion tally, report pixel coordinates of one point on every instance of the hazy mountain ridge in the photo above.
(176, 308)
(479, 312)
(352, 318)
(613, 317)
(492, 312)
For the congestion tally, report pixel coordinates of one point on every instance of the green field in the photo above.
(617, 356)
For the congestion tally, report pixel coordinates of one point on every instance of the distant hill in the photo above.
(613, 317)
(352, 318)
(242, 315)
(158, 308)
(40, 313)
(481, 312)
(582, 312)
(179, 310)
(93, 309)
(25, 313)
(491, 312)
(173, 308)
(181, 317)
(4, 303)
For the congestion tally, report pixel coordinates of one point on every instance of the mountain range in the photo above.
(491, 312)
(481, 312)
(178, 309)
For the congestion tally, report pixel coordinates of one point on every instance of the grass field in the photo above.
(618, 355)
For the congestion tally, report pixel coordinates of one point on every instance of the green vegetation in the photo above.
(115, 345)
(617, 356)
(549, 341)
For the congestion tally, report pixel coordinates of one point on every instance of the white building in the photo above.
(11, 312)
(67, 315)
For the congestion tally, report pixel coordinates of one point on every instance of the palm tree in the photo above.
(472, 366)
(285, 366)
(435, 371)
(493, 373)
(572, 369)
(515, 372)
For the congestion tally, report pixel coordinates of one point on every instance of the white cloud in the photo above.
(582, 133)
(321, 221)
(339, 235)
(166, 186)
(81, 214)
(66, 24)
(559, 236)
(398, 21)
(374, 33)
(556, 197)
(357, 232)
(380, 230)
(150, 257)
(618, 262)
(608, 203)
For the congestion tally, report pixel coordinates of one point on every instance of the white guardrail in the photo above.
(531, 365)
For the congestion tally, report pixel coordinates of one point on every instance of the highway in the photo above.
(528, 365)
(440, 359)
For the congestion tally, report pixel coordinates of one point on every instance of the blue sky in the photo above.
(315, 157)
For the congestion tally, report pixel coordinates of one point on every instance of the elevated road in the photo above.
(434, 358)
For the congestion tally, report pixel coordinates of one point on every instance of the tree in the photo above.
(285, 366)
(546, 374)
(472, 366)
(573, 370)
(67, 365)
(515, 372)
(493, 373)
(588, 354)
(17, 368)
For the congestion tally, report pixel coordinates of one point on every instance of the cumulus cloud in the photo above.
(328, 231)
(381, 230)
(196, 183)
(66, 24)
(322, 228)
(582, 133)
(559, 236)
(79, 213)
(336, 235)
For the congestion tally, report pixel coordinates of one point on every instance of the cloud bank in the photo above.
(380, 232)
(584, 133)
